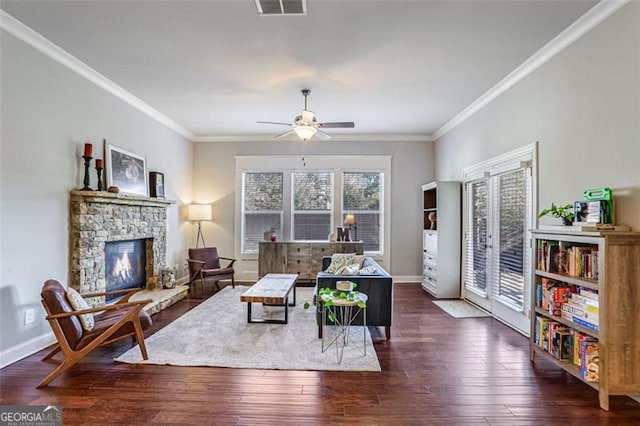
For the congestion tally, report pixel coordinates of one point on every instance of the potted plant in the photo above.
(562, 212)
(336, 294)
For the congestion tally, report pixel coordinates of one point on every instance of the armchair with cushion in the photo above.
(377, 284)
(101, 325)
(204, 266)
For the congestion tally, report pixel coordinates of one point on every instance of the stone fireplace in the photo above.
(100, 217)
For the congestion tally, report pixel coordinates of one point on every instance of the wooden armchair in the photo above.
(204, 265)
(116, 321)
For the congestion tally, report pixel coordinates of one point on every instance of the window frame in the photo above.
(336, 164)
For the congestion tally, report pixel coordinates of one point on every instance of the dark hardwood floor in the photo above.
(435, 370)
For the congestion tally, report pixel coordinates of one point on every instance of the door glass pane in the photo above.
(476, 264)
(512, 205)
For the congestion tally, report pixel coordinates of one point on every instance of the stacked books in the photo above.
(583, 309)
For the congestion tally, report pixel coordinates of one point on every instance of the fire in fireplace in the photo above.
(125, 265)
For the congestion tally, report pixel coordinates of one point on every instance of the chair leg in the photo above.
(51, 353)
(140, 338)
(320, 331)
(66, 364)
(387, 331)
(233, 282)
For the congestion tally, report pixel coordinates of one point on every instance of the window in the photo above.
(262, 207)
(307, 200)
(361, 196)
(312, 205)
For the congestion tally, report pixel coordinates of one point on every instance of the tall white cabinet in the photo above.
(441, 238)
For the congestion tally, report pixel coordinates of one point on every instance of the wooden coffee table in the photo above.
(273, 290)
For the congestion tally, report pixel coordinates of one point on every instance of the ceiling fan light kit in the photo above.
(306, 124)
(305, 132)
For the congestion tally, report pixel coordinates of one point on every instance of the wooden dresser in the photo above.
(304, 259)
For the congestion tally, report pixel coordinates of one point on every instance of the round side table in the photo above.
(344, 311)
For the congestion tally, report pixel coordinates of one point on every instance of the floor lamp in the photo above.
(199, 212)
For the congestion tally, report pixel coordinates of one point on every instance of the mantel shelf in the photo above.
(112, 198)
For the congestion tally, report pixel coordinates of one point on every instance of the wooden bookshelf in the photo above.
(618, 288)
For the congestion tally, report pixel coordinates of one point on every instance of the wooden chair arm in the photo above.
(197, 262)
(231, 261)
(138, 303)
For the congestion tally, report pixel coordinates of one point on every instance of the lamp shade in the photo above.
(305, 132)
(199, 212)
(350, 219)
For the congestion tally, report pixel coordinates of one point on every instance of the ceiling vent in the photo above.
(281, 7)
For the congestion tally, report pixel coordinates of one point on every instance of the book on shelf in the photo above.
(589, 361)
(581, 312)
(561, 343)
(581, 300)
(580, 321)
(591, 294)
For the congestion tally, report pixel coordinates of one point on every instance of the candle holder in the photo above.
(87, 163)
(99, 171)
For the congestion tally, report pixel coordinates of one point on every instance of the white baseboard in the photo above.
(407, 279)
(24, 349)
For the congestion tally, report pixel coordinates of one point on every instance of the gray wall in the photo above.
(411, 166)
(583, 106)
(47, 114)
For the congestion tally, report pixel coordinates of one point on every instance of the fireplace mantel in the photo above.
(97, 217)
(111, 198)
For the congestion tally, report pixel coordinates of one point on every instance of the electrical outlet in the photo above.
(29, 316)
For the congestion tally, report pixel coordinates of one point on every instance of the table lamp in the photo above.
(350, 220)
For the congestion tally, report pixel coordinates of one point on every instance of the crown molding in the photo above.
(391, 137)
(55, 52)
(573, 32)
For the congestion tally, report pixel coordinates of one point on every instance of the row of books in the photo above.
(576, 304)
(573, 260)
(570, 345)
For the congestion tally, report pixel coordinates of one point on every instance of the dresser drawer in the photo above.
(430, 284)
(429, 259)
(429, 271)
(430, 241)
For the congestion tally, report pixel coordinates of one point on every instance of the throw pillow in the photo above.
(339, 261)
(359, 260)
(78, 302)
(350, 269)
(368, 270)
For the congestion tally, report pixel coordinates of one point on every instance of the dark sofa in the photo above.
(378, 287)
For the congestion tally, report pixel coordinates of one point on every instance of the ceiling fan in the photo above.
(306, 124)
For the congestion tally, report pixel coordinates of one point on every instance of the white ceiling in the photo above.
(216, 67)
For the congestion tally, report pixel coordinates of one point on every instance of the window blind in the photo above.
(476, 236)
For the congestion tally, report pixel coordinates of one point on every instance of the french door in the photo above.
(498, 212)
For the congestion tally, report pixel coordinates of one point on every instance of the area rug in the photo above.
(216, 334)
(460, 309)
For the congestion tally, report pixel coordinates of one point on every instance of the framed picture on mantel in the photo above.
(156, 184)
(127, 171)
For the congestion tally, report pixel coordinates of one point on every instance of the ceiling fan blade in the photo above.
(285, 134)
(343, 125)
(274, 122)
(322, 135)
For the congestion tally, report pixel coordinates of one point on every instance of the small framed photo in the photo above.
(156, 184)
(127, 171)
